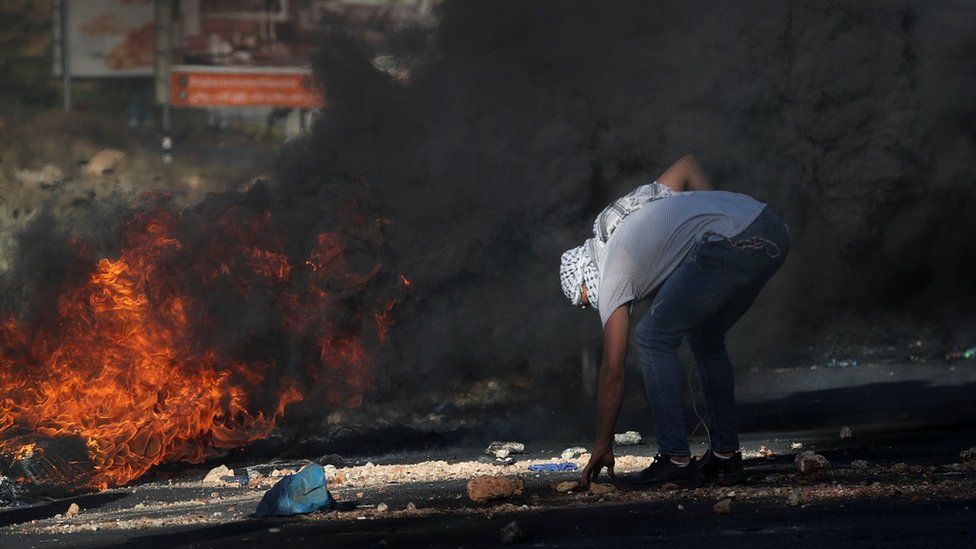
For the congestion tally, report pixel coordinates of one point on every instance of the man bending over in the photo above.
(702, 256)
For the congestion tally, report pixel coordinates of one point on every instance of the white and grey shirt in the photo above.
(644, 246)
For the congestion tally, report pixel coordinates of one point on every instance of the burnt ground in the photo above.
(909, 426)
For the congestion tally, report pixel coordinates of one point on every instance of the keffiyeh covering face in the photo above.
(577, 268)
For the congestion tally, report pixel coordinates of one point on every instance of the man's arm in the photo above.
(611, 394)
(686, 175)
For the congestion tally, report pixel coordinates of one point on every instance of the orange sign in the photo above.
(214, 87)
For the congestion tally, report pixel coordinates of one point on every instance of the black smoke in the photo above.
(854, 120)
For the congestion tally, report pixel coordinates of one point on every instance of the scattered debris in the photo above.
(508, 447)
(796, 445)
(382, 507)
(573, 453)
(303, 492)
(681, 507)
(670, 487)
(214, 477)
(810, 462)
(629, 438)
(284, 472)
(511, 533)
(845, 432)
(554, 467)
(960, 355)
(968, 455)
(765, 452)
(601, 489)
(104, 161)
(795, 499)
(859, 464)
(567, 486)
(72, 511)
(485, 488)
(723, 507)
(848, 363)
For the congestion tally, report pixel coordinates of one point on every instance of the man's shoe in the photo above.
(662, 471)
(720, 471)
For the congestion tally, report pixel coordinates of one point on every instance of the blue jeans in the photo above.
(701, 300)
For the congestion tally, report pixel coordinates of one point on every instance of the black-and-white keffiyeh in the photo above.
(579, 265)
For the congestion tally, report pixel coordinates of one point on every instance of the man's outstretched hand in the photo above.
(598, 460)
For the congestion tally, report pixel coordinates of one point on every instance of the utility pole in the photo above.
(60, 54)
(163, 11)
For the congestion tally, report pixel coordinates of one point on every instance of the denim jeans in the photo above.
(701, 300)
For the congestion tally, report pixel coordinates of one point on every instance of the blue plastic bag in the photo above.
(302, 492)
(554, 467)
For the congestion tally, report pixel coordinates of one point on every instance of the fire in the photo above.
(133, 363)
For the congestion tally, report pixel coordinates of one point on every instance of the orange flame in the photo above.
(127, 367)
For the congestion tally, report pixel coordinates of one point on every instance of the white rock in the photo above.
(572, 453)
(73, 510)
(213, 477)
(794, 499)
(629, 438)
(512, 447)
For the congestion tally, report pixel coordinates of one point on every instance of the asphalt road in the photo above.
(847, 508)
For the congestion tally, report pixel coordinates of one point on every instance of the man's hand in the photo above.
(598, 460)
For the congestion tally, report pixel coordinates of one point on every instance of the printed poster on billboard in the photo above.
(110, 37)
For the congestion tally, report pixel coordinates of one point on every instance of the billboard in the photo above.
(200, 86)
(109, 37)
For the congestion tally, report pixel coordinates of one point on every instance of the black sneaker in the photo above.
(722, 471)
(662, 471)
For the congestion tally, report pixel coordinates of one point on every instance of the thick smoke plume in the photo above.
(855, 121)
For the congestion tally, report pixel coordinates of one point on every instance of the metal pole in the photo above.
(163, 17)
(163, 11)
(61, 37)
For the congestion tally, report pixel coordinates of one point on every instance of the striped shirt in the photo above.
(651, 242)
